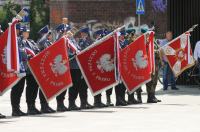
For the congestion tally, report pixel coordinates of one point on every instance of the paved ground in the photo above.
(178, 112)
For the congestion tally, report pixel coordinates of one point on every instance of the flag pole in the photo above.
(189, 30)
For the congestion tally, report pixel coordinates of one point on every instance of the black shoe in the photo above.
(139, 98)
(157, 99)
(32, 110)
(139, 101)
(61, 107)
(86, 106)
(2, 116)
(73, 106)
(175, 88)
(165, 89)
(18, 112)
(132, 100)
(109, 104)
(151, 100)
(46, 109)
(121, 103)
(100, 105)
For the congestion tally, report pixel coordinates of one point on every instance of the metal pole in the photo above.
(139, 24)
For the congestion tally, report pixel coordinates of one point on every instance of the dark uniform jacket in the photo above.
(43, 43)
(24, 56)
(81, 45)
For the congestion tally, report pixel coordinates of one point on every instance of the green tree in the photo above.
(7, 12)
(39, 15)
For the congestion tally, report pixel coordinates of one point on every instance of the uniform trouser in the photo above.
(138, 91)
(43, 101)
(83, 91)
(61, 97)
(108, 93)
(31, 89)
(79, 87)
(198, 63)
(168, 72)
(120, 91)
(151, 86)
(16, 93)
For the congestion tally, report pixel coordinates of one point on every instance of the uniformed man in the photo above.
(139, 90)
(17, 90)
(120, 89)
(45, 39)
(151, 86)
(1, 116)
(43, 43)
(79, 85)
(31, 84)
(61, 30)
(65, 21)
(130, 37)
(97, 99)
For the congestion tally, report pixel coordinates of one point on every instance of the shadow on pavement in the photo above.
(11, 117)
(125, 107)
(3, 121)
(97, 111)
(47, 116)
(175, 104)
(183, 90)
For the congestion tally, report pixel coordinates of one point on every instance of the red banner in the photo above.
(150, 50)
(97, 65)
(135, 69)
(51, 69)
(7, 79)
(179, 54)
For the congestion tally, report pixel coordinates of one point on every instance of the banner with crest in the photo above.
(97, 64)
(179, 54)
(134, 65)
(149, 36)
(51, 69)
(9, 58)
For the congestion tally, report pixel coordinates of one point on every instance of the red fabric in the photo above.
(150, 51)
(135, 69)
(98, 66)
(71, 46)
(177, 55)
(14, 48)
(7, 79)
(51, 69)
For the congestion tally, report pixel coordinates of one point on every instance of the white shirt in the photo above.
(163, 42)
(197, 51)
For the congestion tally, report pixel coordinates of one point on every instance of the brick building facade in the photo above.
(108, 11)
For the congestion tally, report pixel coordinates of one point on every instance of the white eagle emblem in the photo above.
(140, 60)
(105, 63)
(3, 56)
(58, 66)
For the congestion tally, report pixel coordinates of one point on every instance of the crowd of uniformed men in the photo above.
(79, 85)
